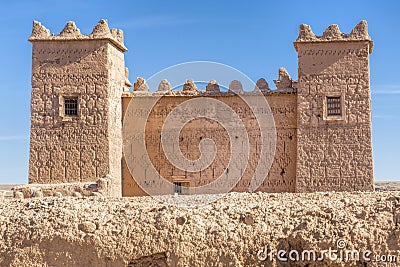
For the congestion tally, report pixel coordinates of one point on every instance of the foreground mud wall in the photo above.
(98, 231)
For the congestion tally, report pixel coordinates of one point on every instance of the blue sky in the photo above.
(252, 36)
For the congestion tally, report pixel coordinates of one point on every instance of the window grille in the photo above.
(71, 106)
(334, 106)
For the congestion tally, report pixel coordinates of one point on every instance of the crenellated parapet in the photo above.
(189, 86)
(70, 30)
(236, 86)
(333, 34)
(71, 33)
(164, 86)
(284, 85)
(39, 31)
(284, 80)
(140, 85)
(262, 85)
(212, 86)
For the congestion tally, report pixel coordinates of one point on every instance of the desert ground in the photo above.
(387, 186)
(5, 189)
(233, 231)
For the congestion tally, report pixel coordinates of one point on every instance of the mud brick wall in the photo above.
(90, 69)
(315, 150)
(281, 177)
(334, 154)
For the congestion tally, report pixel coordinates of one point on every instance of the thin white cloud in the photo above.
(152, 21)
(13, 137)
(386, 89)
(383, 117)
(386, 92)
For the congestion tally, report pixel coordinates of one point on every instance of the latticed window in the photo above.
(334, 106)
(71, 106)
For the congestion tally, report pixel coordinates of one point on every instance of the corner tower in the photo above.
(334, 110)
(77, 83)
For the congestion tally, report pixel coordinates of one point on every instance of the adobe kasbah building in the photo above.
(81, 96)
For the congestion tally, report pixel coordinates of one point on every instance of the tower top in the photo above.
(333, 34)
(71, 33)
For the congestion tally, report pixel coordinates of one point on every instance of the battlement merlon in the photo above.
(284, 85)
(333, 34)
(71, 33)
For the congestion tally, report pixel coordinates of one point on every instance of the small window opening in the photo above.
(71, 106)
(334, 106)
(177, 187)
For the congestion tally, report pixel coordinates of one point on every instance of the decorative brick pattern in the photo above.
(77, 82)
(80, 95)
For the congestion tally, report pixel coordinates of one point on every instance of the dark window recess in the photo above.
(334, 106)
(178, 187)
(71, 106)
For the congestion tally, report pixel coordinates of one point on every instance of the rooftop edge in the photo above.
(71, 33)
(333, 34)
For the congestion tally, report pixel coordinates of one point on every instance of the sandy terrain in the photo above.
(97, 231)
(379, 186)
(5, 190)
(387, 186)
